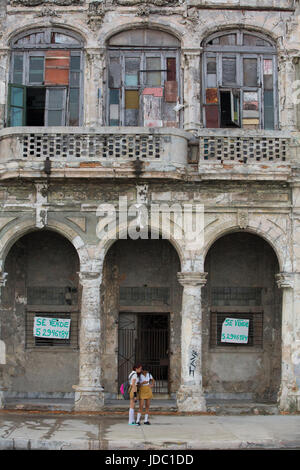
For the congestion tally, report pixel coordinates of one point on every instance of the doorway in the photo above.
(144, 338)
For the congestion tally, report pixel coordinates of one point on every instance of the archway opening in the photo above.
(242, 319)
(39, 302)
(141, 307)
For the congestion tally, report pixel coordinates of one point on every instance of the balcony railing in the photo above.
(107, 151)
(262, 153)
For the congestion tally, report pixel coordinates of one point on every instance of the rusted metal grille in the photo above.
(255, 337)
(144, 338)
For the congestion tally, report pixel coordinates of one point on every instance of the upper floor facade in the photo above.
(167, 89)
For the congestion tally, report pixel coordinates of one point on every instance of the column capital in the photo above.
(192, 278)
(90, 277)
(3, 277)
(285, 280)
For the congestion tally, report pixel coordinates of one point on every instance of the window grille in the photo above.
(71, 342)
(255, 337)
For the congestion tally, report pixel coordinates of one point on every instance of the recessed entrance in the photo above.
(144, 338)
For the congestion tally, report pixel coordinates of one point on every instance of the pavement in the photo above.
(57, 430)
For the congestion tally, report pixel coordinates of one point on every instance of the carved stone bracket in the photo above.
(285, 280)
(243, 219)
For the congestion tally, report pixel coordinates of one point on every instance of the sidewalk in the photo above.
(110, 431)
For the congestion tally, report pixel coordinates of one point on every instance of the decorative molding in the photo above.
(36, 3)
(285, 280)
(191, 279)
(243, 219)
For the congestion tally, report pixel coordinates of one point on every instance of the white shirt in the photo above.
(145, 378)
(133, 375)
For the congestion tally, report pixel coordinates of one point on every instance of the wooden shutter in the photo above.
(212, 116)
(16, 105)
(57, 64)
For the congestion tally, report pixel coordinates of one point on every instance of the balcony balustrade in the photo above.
(104, 152)
(245, 153)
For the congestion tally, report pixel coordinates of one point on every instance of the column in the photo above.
(190, 396)
(192, 89)
(287, 397)
(2, 348)
(89, 394)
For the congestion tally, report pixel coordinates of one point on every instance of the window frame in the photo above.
(143, 52)
(241, 52)
(39, 50)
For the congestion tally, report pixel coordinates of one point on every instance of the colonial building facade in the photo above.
(119, 120)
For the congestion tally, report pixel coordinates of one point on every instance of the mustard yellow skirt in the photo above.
(145, 392)
(131, 394)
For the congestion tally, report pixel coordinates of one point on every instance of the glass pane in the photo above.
(17, 96)
(56, 98)
(228, 40)
(16, 117)
(229, 70)
(250, 72)
(58, 38)
(36, 69)
(74, 107)
(251, 118)
(152, 64)
(18, 69)
(268, 74)
(131, 99)
(74, 71)
(250, 40)
(54, 118)
(132, 68)
(211, 72)
(269, 109)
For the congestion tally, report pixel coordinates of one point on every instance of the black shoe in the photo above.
(137, 424)
(147, 422)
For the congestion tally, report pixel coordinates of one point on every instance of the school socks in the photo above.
(131, 416)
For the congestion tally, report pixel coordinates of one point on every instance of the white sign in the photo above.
(58, 328)
(235, 330)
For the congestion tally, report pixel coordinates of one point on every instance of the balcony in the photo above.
(245, 154)
(107, 152)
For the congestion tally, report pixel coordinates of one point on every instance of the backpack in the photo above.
(125, 388)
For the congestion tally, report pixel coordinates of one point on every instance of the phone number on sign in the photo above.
(49, 333)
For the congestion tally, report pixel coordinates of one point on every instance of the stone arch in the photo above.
(106, 243)
(79, 32)
(17, 230)
(271, 236)
(178, 33)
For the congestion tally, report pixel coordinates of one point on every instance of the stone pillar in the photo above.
(287, 397)
(192, 77)
(190, 396)
(89, 393)
(2, 347)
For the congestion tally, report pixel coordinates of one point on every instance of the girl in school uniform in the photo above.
(146, 383)
(133, 391)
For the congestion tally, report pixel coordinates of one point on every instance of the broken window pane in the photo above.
(152, 64)
(114, 98)
(36, 69)
(250, 72)
(131, 107)
(171, 69)
(229, 70)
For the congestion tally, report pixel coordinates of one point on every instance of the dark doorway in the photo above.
(35, 106)
(144, 338)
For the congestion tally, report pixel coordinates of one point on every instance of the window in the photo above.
(240, 76)
(45, 79)
(255, 329)
(52, 302)
(143, 79)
